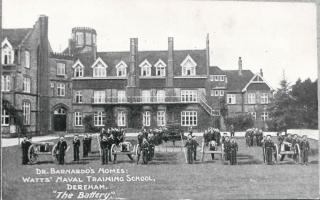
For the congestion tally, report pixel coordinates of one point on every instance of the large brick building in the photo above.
(127, 89)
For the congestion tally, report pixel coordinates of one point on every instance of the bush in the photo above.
(240, 122)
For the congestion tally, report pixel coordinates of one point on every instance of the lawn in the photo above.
(170, 177)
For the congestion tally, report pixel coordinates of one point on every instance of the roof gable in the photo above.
(237, 82)
(160, 63)
(16, 36)
(99, 61)
(256, 79)
(145, 63)
(121, 64)
(188, 61)
(6, 42)
(77, 63)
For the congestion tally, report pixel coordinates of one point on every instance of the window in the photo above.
(61, 89)
(265, 116)
(216, 93)
(160, 68)
(26, 110)
(254, 115)
(99, 71)
(88, 38)
(78, 119)
(99, 96)
(5, 118)
(216, 78)
(7, 53)
(146, 95)
(161, 118)
(189, 95)
(161, 95)
(121, 69)
(26, 84)
(188, 67)
(146, 118)
(145, 68)
(231, 99)
(221, 78)
(188, 118)
(122, 96)
(221, 93)
(79, 38)
(61, 69)
(121, 118)
(78, 71)
(27, 59)
(99, 118)
(251, 98)
(264, 98)
(5, 83)
(78, 97)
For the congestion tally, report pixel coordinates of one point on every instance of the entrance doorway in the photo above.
(60, 119)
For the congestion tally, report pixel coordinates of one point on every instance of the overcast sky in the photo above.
(271, 36)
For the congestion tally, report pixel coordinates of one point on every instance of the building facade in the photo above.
(129, 89)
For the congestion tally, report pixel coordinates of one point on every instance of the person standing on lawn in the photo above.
(86, 141)
(25, 144)
(305, 148)
(226, 146)
(233, 151)
(195, 144)
(104, 150)
(189, 146)
(268, 146)
(232, 130)
(212, 147)
(76, 145)
(62, 147)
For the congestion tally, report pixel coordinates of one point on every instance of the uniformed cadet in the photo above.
(212, 147)
(251, 136)
(305, 148)
(189, 146)
(223, 138)
(194, 147)
(104, 150)
(145, 150)
(62, 147)
(226, 145)
(268, 146)
(218, 135)
(233, 148)
(140, 140)
(76, 145)
(25, 144)
(85, 145)
(232, 130)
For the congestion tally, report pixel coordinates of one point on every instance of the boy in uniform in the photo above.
(233, 151)
(25, 144)
(305, 148)
(268, 146)
(62, 147)
(76, 145)
(226, 146)
(189, 147)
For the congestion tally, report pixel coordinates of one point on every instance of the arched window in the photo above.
(7, 53)
(78, 71)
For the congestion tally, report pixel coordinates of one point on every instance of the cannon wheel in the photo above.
(54, 153)
(32, 154)
(277, 153)
(298, 153)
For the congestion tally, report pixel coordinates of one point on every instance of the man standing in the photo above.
(268, 146)
(232, 130)
(233, 151)
(76, 145)
(212, 147)
(305, 148)
(25, 144)
(62, 147)
(85, 142)
(195, 144)
(226, 146)
(104, 150)
(189, 147)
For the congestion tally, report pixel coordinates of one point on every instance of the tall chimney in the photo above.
(240, 66)
(132, 63)
(207, 53)
(169, 79)
(261, 73)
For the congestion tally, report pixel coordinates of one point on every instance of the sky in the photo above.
(279, 38)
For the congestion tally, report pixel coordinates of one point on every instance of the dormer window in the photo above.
(188, 66)
(121, 69)
(7, 53)
(145, 68)
(78, 69)
(160, 68)
(99, 68)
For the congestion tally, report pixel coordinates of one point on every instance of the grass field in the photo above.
(173, 179)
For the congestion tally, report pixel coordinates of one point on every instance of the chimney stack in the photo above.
(169, 79)
(208, 53)
(133, 61)
(240, 66)
(261, 73)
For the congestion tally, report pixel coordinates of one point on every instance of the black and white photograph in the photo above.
(176, 100)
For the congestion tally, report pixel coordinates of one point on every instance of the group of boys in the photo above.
(231, 148)
(191, 147)
(146, 141)
(254, 136)
(86, 144)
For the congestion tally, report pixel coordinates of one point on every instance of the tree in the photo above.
(282, 109)
(240, 122)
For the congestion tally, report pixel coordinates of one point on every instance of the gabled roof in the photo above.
(16, 36)
(237, 82)
(214, 70)
(99, 60)
(160, 63)
(78, 62)
(258, 82)
(121, 63)
(188, 59)
(144, 63)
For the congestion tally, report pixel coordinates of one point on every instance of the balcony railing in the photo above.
(144, 100)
